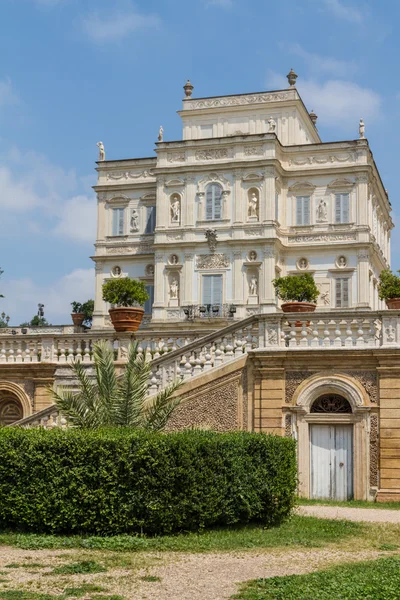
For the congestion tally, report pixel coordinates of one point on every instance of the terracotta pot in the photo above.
(78, 318)
(393, 303)
(126, 318)
(296, 307)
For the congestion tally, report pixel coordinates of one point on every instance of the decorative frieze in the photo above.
(253, 150)
(174, 157)
(328, 237)
(212, 261)
(239, 100)
(323, 160)
(288, 425)
(292, 382)
(212, 154)
(369, 380)
(117, 175)
(139, 249)
(374, 452)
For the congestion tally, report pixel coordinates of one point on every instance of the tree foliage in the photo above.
(389, 285)
(296, 288)
(36, 321)
(125, 292)
(110, 401)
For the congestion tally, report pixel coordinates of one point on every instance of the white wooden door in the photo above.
(331, 464)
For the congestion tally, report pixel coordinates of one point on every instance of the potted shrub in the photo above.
(87, 309)
(127, 297)
(298, 292)
(389, 288)
(78, 316)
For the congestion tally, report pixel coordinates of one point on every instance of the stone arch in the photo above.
(329, 383)
(14, 401)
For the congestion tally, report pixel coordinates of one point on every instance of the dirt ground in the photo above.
(167, 575)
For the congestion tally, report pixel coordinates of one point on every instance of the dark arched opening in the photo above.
(331, 403)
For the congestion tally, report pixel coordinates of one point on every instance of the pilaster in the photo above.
(363, 300)
(267, 291)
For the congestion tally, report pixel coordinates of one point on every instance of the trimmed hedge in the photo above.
(109, 482)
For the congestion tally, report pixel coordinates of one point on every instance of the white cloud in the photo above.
(8, 95)
(23, 295)
(118, 24)
(321, 64)
(342, 11)
(338, 103)
(78, 219)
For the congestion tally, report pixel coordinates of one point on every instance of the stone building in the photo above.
(249, 193)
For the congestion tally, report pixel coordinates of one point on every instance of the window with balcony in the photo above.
(303, 210)
(212, 290)
(117, 221)
(342, 292)
(342, 208)
(150, 219)
(213, 202)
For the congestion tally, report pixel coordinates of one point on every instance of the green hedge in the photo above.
(123, 481)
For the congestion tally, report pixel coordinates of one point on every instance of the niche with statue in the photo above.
(253, 204)
(175, 209)
(252, 282)
(173, 289)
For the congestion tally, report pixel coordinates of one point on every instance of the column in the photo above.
(162, 201)
(237, 279)
(269, 196)
(99, 310)
(239, 199)
(363, 300)
(361, 218)
(159, 287)
(189, 216)
(267, 290)
(188, 271)
(101, 217)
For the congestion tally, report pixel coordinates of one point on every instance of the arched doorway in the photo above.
(331, 450)
(10, 408)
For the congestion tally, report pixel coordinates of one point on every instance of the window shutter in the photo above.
(121, 221)
(306, 210)
(299, 210)
(148, 305)
(338, 208)
(114, 222)
(217, 290)
(345, 208)
(151, 219)
(217, 202)
(207, 281)
(209, 203)
(338, 293)
(345, 292)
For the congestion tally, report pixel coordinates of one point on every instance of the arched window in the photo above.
(10, 410)
(331, 403)
(213, 202)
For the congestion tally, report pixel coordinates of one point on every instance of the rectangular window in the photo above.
(212, 289)
(342, 292)
(213, 202)
(118, 221)
(342, 208)
(150, 219)
(148, 305)
(303, 210)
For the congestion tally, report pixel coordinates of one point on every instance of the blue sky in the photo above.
(77, 71)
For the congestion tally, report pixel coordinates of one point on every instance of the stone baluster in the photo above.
(348, 341)
(249, 339)
(10, 357)
(158, 346)
(337, 342)
(218, 359)
(315, 335)
(3, 354)
(197, 369)
(360, 333)
(70, 346)
(153, 389)
(27, 352)
(148, 353)
(18, 354)
(207, 356)
(188, 369)
(304, 335)
(86, 352)
(78, 355)
(326, 342)
(62, 359)
(239, 343)
(371, 333)
(229, 348)
(292, 334)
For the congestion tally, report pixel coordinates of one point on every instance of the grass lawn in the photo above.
(297, 531)
(350, 503)
(373, 580)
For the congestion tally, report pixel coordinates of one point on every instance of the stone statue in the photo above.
(361, 129)
(173, 259)
(253, 286)
(253, 202)
(271, 125)
(174, 289)
(160, 134)
(102, 152)
(176, 211)
(134, 220)
(116, 271)
(342, 262)
(303, 263)
(322, 211)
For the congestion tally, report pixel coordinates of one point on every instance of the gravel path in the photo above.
(370, 515)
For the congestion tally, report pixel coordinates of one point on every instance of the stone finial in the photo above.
(291, 77)
(313, 117)
(102, 153)
(160, 134)
(361, 129)
(188, 87)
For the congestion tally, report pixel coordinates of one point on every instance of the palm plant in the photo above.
(110, 400)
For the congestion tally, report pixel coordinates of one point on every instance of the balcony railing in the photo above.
(209, 311)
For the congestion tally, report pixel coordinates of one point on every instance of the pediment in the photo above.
(175, 182)
(253, 177)
(148, 197)
(340, 184)
(302, 186)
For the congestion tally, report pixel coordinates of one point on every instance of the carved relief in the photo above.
(116, 175)
(239, 100)
(322, 160)
(211, 154)
(173, 157)
(324, 288)
(212, 261)
(253, 150)
(292, 381)
(306, 239)
(288, 425)
(369, 380)
(374, 452)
